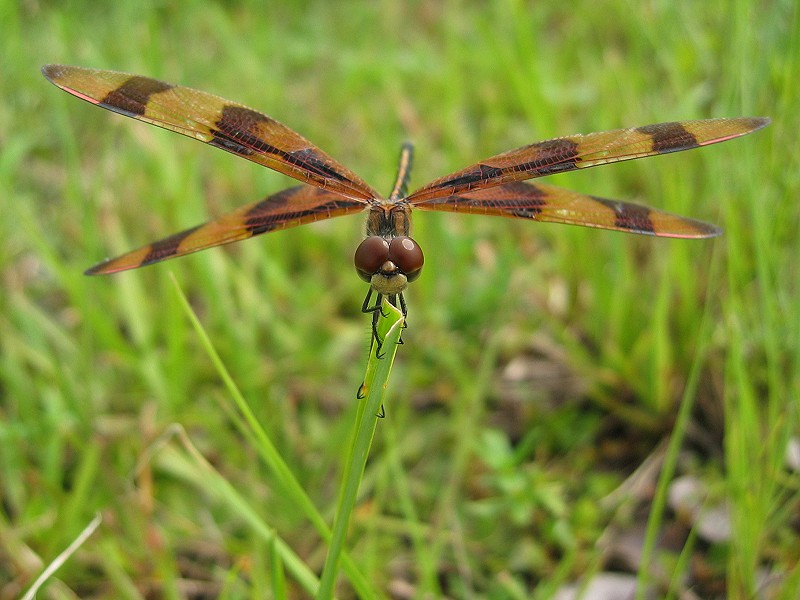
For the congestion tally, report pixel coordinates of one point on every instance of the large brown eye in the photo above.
(370, 256)
(407, 255)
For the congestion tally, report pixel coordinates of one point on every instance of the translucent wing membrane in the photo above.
(582, 151)
(214, 120)
(289, 208)
(547, 203)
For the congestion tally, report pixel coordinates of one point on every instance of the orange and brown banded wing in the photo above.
(289, 208)
(548, 203)
(214, 120)
(582, 151)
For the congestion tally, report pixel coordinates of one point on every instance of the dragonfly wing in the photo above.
(582, 151)
(214, 120)
(548, 203)
(289, 208)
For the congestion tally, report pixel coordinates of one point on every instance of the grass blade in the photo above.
(371, 397)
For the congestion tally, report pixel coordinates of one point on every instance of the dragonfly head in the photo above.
(389, 265)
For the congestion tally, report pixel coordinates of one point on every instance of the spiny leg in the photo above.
(362, 393)
(366, 308)
(375, 337)
(376, 311)
(404, 310)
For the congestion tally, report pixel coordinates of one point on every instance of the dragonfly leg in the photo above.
(404, 310)
(376, 311)
(361, 394)
(375, 337)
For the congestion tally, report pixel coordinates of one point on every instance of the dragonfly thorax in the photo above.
(389, 265)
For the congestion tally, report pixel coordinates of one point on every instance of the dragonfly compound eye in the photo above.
(407, 255)
(370, 256)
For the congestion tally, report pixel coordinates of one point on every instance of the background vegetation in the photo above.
(548, 372)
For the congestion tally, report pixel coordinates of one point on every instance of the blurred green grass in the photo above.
(536, 355)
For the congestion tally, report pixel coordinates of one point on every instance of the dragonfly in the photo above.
(388, 258)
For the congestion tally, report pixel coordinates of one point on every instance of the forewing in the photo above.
(214, 120)
(289, 208)
(548, 203)
(582, 151)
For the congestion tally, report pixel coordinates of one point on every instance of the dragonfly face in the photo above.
(388, 258)
(389, 265)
